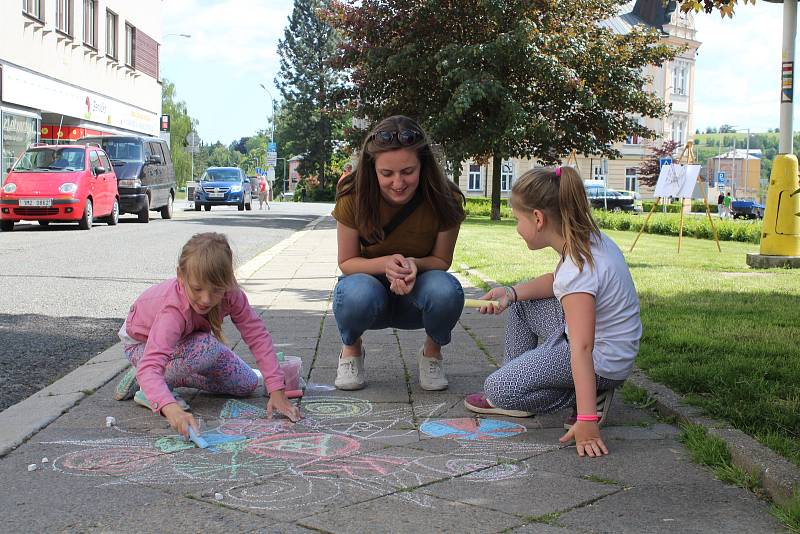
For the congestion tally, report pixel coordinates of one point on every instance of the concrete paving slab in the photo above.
(686, 508)
(387, 385)
(25, 418)
(399, 513)
(507, 488)
(540, 528)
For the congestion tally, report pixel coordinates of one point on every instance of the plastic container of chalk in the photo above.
(292, 367)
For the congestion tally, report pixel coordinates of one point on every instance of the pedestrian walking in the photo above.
(263, 193)
(173, 338)
(572, 335)
(726, 203)
(721, 205)
(398, 219)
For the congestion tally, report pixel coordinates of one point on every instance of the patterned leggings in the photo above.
(536, 375)
(201, 361)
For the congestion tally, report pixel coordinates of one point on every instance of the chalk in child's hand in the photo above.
(218, 496)
(45, 460)
(477, 303)
(110, 421)
(198, 440)
(32, 467)
(293, 393)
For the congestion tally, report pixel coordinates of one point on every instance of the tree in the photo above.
(308, 83)
(651, 167)
(725, 7)
(496, 80)
(180, 124)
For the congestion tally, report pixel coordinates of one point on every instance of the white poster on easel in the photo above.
(677, 181)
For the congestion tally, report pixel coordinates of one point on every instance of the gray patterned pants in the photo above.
(536, 375)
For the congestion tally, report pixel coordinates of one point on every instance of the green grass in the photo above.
(723, 335)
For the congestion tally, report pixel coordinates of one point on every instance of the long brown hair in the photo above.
(563, 199)
(207, 259)
(437, 191)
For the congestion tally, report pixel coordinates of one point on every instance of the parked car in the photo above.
(601, 197)
(747, 209)
(223, 186)
(143, 166)
(60, 183)
(637, 199)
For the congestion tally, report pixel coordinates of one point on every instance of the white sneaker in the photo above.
(431, 372)
(350, 374)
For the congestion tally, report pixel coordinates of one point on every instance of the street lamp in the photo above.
(746, 157)
(272, 103)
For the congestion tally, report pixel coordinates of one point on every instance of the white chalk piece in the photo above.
(32, 467)
(110, 421)
(45, 460)
(218, 496)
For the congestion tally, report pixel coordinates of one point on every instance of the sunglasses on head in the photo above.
(404, 137)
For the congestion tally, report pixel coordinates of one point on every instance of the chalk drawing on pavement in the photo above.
(468, 428)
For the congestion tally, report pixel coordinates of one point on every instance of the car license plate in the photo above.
(216, 195)
(38, 202)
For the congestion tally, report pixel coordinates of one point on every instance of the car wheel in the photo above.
(197, 207)
(241, 206)
(6, 226)
(207, 207)
(616, 209)
(249, 206)
(166, 211)
(113, 219)
(144, 213)
(44, 223)
(88, 216)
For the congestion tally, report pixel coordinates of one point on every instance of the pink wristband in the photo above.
(585, 417)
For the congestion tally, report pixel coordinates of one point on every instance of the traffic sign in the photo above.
(192, 139)
(664, 161)
(721, 178)
(272, 147)
(272, 159)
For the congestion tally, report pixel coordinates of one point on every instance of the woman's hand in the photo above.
(404, 286)
(499, 295)
(587, 438)
(396, 267)
(179, 420)
(278, 401)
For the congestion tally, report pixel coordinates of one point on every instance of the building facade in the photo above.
(70, 68)
(737, 172)
(673, 82)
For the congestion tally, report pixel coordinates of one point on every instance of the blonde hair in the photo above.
(560, 194)
(207, 259)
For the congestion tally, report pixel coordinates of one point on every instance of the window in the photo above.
(64, 16)
(34, 8)
(680, 74)
(506, 175)
(474, 183)
(111, 34)
(130, 45)
(599, 170)
(90, 23)
(631, 179)
(678, 132)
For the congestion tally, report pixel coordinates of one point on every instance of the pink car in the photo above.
(60, 183)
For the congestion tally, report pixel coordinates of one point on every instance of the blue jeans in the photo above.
(363, 302)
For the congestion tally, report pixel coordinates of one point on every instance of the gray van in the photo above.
(145, 175)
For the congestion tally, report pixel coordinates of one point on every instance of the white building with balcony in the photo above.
(70, 68)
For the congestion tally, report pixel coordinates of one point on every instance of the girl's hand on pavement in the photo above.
(278, 401)
(179, 420)
(587, 438)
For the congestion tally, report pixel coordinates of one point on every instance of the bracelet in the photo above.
(513, 291)
(587, 417)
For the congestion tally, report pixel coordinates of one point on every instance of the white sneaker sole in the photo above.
(497, 411)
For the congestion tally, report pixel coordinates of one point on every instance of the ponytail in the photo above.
(560, 194)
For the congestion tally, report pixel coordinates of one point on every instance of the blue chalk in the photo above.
(199, 441)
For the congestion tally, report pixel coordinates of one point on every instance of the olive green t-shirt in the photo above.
(413, 238)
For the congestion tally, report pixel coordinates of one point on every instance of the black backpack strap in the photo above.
(399, 217)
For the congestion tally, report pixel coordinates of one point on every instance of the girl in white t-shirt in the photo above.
(572, 335)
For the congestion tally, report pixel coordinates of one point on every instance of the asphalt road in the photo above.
(64, 292)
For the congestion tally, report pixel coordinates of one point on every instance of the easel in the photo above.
(688, 153)
(573, 156)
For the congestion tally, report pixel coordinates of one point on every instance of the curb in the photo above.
(779, 478)
(24, 419)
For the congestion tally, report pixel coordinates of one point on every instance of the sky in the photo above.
(217, 71)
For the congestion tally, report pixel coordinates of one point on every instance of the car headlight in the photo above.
(130, 182)
(236, 188)
(9, 188)
(68, 187)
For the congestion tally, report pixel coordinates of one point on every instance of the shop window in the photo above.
(111, 34)
(506, 175)
(90, 23)
(64, 16)
(474, 181)
(18, 132)
(34, 8)
(130, 45)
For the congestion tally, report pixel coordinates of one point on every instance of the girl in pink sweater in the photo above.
(173, 338)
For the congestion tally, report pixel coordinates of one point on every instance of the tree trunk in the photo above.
(497, 164)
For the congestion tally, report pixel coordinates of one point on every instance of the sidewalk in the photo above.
(389, 458)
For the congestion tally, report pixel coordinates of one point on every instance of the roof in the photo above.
(739, 153)
(651, 13)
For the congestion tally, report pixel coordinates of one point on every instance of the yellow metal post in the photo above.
(781, 234)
